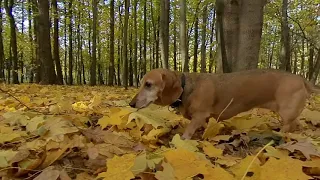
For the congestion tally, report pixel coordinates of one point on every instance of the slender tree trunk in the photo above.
(135, 44)
(31, 42)
(125, 39)
(174, 43)
(70, 82)
(22, 51)
(316, 69)
(38, 64)
(195, 47)
(164, 32)
(56, 46)
(2, 57)
(302, 58)
(130, 61)
(65, 43)
(285, 39)
(211, 59)
(311, 66)
(48, 71)
(144, 63)
(8, 4)
(203, 39)
(183, 36)
(93, 76)
(111, 63)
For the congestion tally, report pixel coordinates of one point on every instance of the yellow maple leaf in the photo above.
(190, 145)
(283, 169)
(186, 164)
(212, 129)
(211, 151)
(217, 173)
(6, 156)
(240, 169)
(80, 106)
(95, 101)
(116, 117)
(119, 168)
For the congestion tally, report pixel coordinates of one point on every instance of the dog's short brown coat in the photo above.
(207, 95)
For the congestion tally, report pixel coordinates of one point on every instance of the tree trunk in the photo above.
(130, 61)
(13, 39)
(31, 42)
(93, 80)
(125, 39)
(183, 36)
(195, 47)
(285, 39)
(48, 71)
(56, 46)
(211, 58)
(70, 81)
(311, 68)
(38, 64)
(144, 62)
(135, 44)
(2, 58)
(250, 31)
(316, 69)
(111, 63)
(223, 65)
(22, 51)
(203, 39)
(302, 58)
(174, 41)
(164, 32)
(65, 43)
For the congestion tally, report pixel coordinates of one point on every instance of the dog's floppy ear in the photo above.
(170, 90)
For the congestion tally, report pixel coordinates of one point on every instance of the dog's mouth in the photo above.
(146, 105)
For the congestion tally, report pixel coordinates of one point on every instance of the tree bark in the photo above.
(195, 47)
(56, 55)
(135, 44)
(70, 77)
(144, 62)
(174, 41)
(8, 4)
(164, 32)
(211, 58)
(316, 69)
(111, 63)
(203, 39)
(311, 66)
(93, 67)
(285, 39)
(2, 57)
(183, 36)
(48, 71)
(125, 39)
(38, 65)
(302, 58)
(31, 76)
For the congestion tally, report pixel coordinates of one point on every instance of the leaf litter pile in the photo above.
(81, 132)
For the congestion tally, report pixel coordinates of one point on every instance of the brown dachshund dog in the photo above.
(199, 96)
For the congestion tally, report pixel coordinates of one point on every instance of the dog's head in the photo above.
(159, 86)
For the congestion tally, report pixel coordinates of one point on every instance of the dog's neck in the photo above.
(178, 102)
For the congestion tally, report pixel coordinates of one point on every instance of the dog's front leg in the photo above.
(197, 121)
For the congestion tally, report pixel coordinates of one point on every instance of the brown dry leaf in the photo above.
(52, 156)
(311, 116)
(84, 176)
(228, 161)
(48, 174)
(21, 155)
(286, 168)
(305, 147)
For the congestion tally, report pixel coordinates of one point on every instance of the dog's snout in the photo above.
(132, 104)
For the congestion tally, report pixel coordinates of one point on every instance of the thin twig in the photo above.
(255, 157)
(7, 92)
(224, 109)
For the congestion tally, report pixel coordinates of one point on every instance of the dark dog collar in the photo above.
(178, 102)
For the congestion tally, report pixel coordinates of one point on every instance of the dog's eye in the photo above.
(148, 84)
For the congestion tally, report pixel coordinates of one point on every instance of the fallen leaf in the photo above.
(212, 129)
(167, 173)
(119, 168)
(305, 147)
(211, 151)
(217, 173)
(240, 169)
(286, 168)
(190, 145)
(48, 174)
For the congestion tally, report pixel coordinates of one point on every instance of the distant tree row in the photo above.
(116, 42)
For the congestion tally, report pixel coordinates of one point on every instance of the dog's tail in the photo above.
(311, 88)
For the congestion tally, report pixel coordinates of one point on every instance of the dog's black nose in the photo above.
(132, 104)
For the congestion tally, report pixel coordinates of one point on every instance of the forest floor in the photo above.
(82, 132)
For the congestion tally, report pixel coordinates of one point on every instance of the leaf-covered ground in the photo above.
(81, 132)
